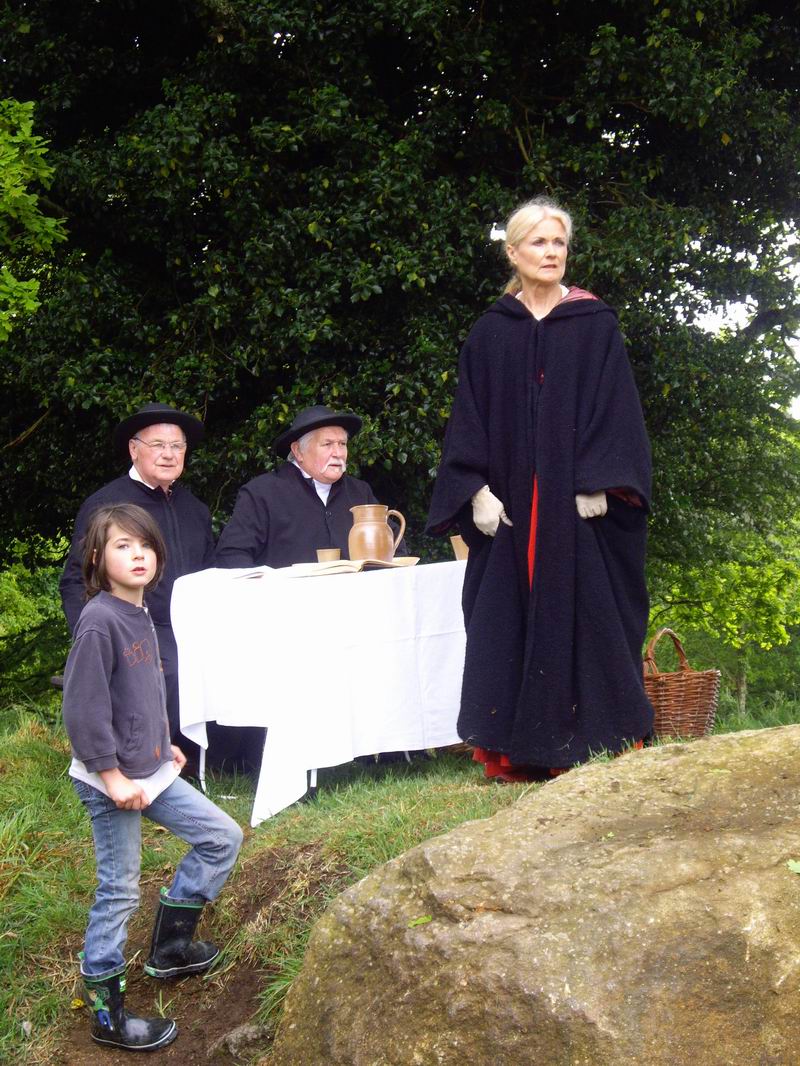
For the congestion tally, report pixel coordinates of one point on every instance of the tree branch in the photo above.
(26, 432)
(766, 320)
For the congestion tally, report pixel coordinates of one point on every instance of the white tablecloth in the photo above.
(334, 666)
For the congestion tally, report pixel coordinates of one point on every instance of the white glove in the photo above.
(488, 512)
(594, 505)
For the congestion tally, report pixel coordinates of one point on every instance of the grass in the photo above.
(290, 868)
(772, 710)
(47, 882)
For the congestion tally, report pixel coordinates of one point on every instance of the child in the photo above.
(124, 766)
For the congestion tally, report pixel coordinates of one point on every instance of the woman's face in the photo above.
(541, 256)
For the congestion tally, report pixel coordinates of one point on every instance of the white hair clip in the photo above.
(497, 234)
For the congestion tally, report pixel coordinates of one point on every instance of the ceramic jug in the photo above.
(371, 536)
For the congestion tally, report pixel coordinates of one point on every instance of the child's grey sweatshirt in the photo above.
(114, 698)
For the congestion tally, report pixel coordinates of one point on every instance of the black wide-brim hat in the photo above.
(153, 414)
(311, 418)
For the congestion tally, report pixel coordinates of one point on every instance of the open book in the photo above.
(348, 566)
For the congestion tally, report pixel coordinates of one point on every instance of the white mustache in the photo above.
(338, 464)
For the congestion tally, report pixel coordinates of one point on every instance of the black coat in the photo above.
(553, 672)
(279, 519)
(185, 524)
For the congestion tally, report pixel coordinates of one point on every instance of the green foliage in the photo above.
(741, 603)
(752, 601)
(776, 673)
(281, 202)
(765, 712)
(34, 639)
(27, 234)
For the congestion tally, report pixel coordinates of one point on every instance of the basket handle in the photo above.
(649, 663)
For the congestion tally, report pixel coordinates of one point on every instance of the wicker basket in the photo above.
(685, 702)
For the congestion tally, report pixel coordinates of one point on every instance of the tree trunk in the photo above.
(740, 680)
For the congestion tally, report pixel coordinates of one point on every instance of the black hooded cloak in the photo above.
(553, 668)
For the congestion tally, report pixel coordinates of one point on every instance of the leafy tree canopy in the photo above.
(26, 233)
(275, 202)
(752, 602)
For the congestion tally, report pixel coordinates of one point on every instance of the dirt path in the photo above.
(204, 1011)
(207, 1009)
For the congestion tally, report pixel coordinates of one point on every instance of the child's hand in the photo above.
(126, 794)
(178, 758)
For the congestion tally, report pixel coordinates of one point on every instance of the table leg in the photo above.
(201, 769)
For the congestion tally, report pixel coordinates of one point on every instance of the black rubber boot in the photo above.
(116, 1027)
(173, 953)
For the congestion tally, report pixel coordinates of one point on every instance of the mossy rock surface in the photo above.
(639, 911)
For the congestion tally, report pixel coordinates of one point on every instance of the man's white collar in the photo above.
(323, 487)
(134, 475)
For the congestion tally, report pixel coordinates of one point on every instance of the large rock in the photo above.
(635, 911)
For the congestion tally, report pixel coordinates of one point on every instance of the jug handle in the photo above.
(399, 536)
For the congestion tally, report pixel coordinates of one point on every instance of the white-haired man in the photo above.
(282, 518)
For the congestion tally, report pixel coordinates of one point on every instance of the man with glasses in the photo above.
(157, 439)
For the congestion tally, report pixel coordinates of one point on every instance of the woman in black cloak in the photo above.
(546, 473)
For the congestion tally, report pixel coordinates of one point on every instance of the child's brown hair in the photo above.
(134, 521)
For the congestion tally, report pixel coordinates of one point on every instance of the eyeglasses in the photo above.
(163, 445)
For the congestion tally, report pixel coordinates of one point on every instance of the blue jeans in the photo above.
(201, 873)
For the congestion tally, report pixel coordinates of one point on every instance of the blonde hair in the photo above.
(523, 220)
